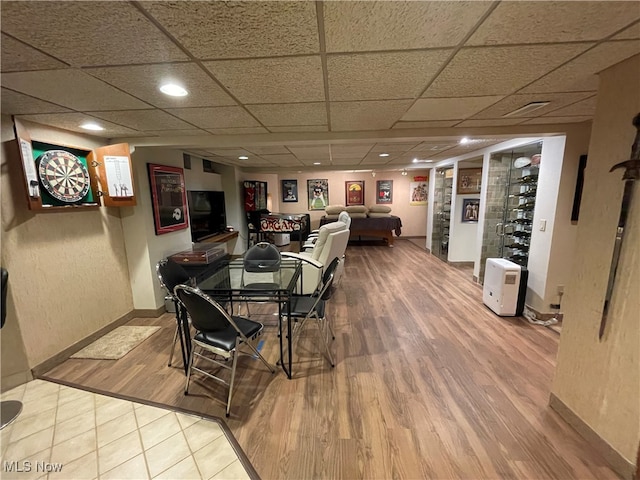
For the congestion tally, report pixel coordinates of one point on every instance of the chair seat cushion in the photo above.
(226, 339)
(302, 304)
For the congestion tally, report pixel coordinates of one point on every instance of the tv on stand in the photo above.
(207, 214)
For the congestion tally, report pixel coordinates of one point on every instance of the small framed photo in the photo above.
(354, 192)
(289, 190)
(470, 210)
(318, 193)
(168, 198)
(384, 191)
(469, 180)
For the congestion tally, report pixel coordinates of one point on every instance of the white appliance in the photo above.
(501, 286)
(281, 239)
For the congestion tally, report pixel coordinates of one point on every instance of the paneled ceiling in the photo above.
(293, 84)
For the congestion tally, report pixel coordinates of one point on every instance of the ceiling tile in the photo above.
(72, 121)
(374, 159)
(346, 161)
(71, 88)
(585, 107)
(513, 102)
(631, 33)
(16, 103)
(287, 158)
(177, 133)
(269, 150)
(499, 70)
(368, 26)
(78, 32)
(144, 81)
(215, 117)
(290, 114)
(496, 122)
(580, 74)
(435, 146)
(350, 151)
(238, 131)
(240, 29)
(431, 124)
(557, 120)
(394, 147)
(448, 108)
(377, 76)
(231, 153)
(371, 115)
(309, 152)
(144, 119)
(16, 56)
(271, 80)
(301, 128)
(553, 22)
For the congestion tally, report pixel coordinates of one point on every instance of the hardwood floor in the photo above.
(428, 383)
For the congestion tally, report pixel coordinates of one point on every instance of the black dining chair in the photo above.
(170, 274)
(261, 262)
(219, 333)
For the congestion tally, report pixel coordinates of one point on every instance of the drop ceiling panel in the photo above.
(177, 133)
(375, 115)
(240, 29)
(231, 153)
(72, 121)
(237, 131)
(376, 76)
(350, 151)
(448, 108)
(144, 82)
(269, 150)
(398, 25)
(144, 119)
(283, 158)
(553, 22)
(434, 146)
(215, 117)
(580, 74)
(289, 114)
(272, 80)
(633, 32)
(431, 124)
(71, 88)
(499, 70)
(311, 152)
(376, 160)
(556, 120)
(301, 128)
(514, 102)
(346, 161)
(496, 122)
(16, 56)
(585, 107)
(78, 32)
(394, 147)
(17, 103)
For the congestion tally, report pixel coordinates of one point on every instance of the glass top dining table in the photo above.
(231, 283)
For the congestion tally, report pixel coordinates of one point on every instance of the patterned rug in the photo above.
(117, 343)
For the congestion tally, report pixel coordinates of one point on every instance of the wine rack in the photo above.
(522, 189)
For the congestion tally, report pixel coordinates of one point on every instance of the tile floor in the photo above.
(94, 436)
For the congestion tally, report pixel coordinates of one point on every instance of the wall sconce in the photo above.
(404, 173)
(373, 174)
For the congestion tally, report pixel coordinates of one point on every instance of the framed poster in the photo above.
(354, 192)
(418, 193)
(168, 198)
(384, 191)
(289, 190)
(469, 180)
(470, 210)
(318, 193)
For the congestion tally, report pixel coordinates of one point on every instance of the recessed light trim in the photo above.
(92, 126)
(317, 163)
(173, 90)
(528, 108)
(383, 155)
(243, 157)
(464, 140)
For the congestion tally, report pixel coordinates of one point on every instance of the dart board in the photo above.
(63, 176)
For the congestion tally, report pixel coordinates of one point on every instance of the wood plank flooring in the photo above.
(428, 383)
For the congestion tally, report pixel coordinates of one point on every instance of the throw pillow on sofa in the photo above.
(380, 209)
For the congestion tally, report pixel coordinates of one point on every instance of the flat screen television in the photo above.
(207, 214)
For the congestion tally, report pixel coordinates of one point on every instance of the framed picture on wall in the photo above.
(289, 190)
(384, 191)
(470, 210)
(318, 193)
(168, 198)
(469, 180)
(354, 192)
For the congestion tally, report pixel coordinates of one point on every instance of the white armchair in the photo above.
(331, 243)
(313, 237)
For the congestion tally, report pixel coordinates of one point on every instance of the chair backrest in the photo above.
(345, 218)
(262, 257)
(171, 274)
(328, 279)
(206, 314)
(5, 284)
(326, 239)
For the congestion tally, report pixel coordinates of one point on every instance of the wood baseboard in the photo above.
(616, 460)
(60, 357)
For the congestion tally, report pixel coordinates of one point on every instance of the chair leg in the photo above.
(262, 359)
(233, 376)
(323, 334)
(186, 387)
(173, 345)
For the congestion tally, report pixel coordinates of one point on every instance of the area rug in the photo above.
(116, 344)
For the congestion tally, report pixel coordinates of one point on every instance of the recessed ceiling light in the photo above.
(243, 157)
(317, 163)
(91, 126)
(464, 140)
(173, 90)
(383, 155)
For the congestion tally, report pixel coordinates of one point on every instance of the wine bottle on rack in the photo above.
(522, 221)
(528, 179)
(521, 234)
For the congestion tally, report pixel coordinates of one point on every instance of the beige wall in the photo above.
(68, 270)
(414, 218)
(599, 380)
